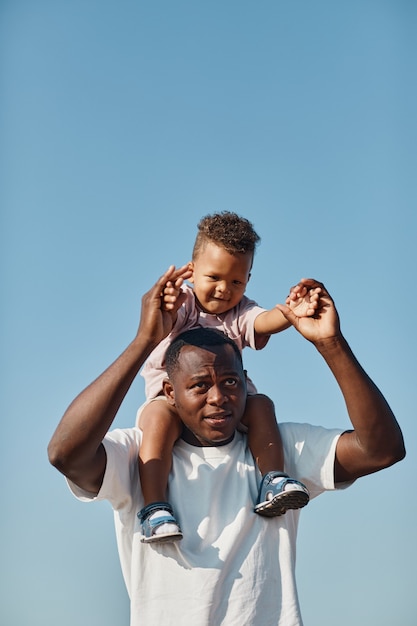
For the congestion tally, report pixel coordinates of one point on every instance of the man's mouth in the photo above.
(217, 419)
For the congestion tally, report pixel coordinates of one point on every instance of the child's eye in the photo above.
(213, 277)
(237, 282)
(200, 386)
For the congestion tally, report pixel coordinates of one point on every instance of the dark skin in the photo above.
(76, 449)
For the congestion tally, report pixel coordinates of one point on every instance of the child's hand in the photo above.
(303, 301)
(171, 294)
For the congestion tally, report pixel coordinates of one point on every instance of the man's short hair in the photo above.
(200, 338)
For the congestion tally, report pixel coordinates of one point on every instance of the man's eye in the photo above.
(230, 382)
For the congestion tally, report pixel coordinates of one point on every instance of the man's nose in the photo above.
(216, 396)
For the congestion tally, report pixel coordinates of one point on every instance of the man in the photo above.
(233, 566)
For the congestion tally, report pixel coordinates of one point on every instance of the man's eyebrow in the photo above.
(199, 377)
(223, 373)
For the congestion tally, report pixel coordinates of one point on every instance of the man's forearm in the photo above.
(74, 447)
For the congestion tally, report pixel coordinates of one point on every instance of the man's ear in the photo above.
(168, 390)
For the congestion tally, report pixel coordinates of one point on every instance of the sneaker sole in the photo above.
(162, 538)
(283, 502)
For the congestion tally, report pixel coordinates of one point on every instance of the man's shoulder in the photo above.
(293, 430)
(123, 438)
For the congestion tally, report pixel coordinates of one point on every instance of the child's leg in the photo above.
(278, 493)
(263, 434)
(161, 427)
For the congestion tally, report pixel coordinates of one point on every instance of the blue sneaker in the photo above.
(278, 493)
(164, 520)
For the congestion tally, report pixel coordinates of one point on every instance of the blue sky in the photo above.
(122, 124)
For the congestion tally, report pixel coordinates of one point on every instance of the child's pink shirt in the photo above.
(238, 324)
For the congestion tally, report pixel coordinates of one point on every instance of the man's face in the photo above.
(208, 389)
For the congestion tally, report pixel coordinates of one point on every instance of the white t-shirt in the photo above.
(233, 566)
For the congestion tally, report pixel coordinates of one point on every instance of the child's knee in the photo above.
(152, 411)
(259, 402)
(160, 417)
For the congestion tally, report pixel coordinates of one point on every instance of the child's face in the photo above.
(220, 278)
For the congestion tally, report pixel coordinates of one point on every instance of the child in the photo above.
(221, 265)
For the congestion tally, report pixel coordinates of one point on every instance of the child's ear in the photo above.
(191, 267)
(168, 390)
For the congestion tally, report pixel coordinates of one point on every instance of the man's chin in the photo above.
(222, 441)
(208, 440)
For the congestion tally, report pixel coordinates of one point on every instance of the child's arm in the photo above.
(302, 301)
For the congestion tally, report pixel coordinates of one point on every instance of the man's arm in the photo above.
(376, 440)
(76, 447)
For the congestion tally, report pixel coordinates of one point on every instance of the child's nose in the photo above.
(222, 286)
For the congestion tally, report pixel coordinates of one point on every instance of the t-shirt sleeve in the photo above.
(310, 453)
(247, 314)
(122, 447)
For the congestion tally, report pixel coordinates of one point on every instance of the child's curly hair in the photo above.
(230, 231)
